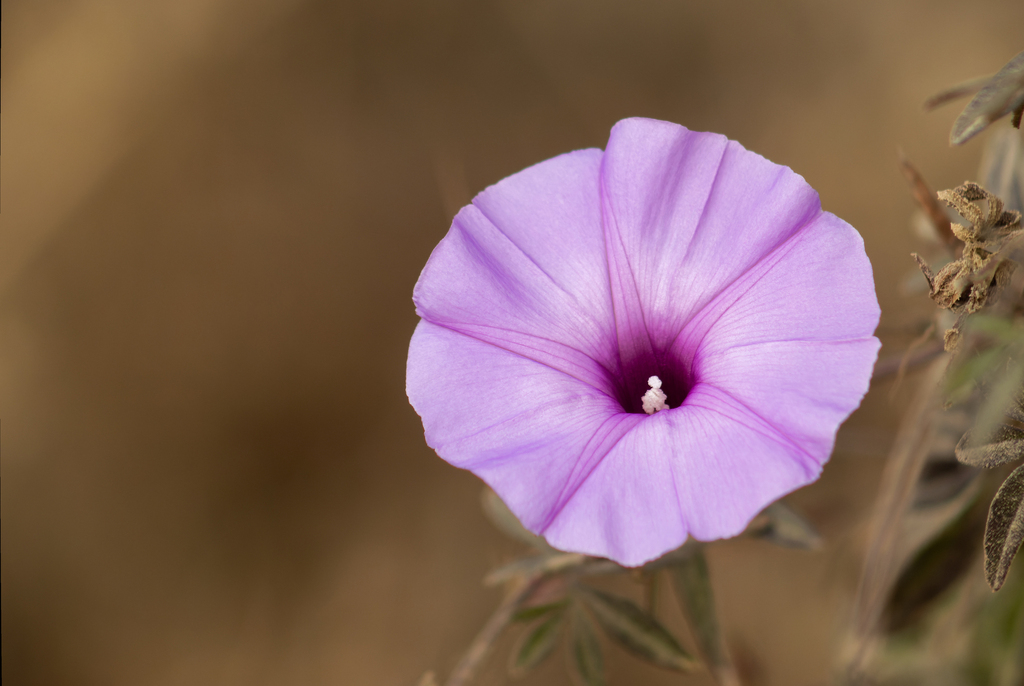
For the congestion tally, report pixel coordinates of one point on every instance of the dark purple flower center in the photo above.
(676, 382)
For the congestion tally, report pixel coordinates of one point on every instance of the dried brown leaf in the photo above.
(928, 200)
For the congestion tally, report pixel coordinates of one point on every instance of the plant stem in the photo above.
(484, 642)
(903, 468)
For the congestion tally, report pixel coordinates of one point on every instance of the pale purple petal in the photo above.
(768, 342)
(528, 430)
(686, 214)
(704, 469)
(780, 297)
(524, 267)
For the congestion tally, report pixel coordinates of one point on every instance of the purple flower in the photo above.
(562, 291)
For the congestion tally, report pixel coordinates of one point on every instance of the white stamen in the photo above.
(654, 399)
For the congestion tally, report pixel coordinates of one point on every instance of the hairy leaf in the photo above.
(960, 90)
(1005, 529)
(1007, 445)
(535, 645)
(1002, 167)
(693, 589)
(637, 631)
(585, 651)
(1001, 396)
(1016, 408)
(1003, 94)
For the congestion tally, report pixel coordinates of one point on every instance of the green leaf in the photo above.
(996, 646)
(693, 590)
(935, 568)
(1003, 94)
(1005, 529)
(535, 645)
(1002, 329)
(551, 562)
(528, 614)
(962, 379)
(1013, 667)
(585, 651)
(783, 526)
(994, 440)
(507, 523)
(1001, 397)
(636, 630)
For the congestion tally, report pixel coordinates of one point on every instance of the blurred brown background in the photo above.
(214, 212)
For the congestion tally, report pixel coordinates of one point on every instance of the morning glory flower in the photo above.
(641, 344)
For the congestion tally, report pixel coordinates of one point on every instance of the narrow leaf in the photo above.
(961, 90)
(1003, 94)
(1007, 445)
(637, 631)
(1000, 397)
(935, 568)
(1002, 167)
(1016, 408)
(585, 651)
(528, 614)
(551, 562)
(782, 526)
(535, 646)
(942, 479)
(1005, 529)
(507, 523)
(966, 374)
(927, 200)
(693, 590)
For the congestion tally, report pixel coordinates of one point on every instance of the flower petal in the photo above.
(524, 267)
(531, 432)
(704, 469)
(792, 338)
(685, 214)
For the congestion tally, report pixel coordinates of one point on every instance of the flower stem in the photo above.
(482, 645)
